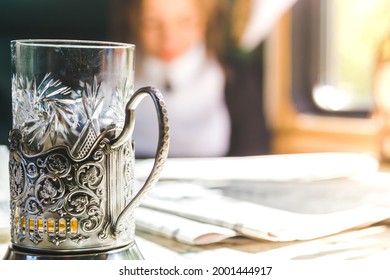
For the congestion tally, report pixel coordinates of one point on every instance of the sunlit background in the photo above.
(351, 33)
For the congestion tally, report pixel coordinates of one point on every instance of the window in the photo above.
(334, 45)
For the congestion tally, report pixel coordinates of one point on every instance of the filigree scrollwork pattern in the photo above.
(49, 192)
(87, 197)
(54, 186)
(128, 171)
(16, 177)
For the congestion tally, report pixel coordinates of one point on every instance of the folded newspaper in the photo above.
(202, 210)
(280, 168)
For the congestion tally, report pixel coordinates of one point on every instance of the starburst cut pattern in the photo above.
(121, 97)
(92, 103)
(49, 114)
(43, 112)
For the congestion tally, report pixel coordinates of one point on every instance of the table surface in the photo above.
(360, 244)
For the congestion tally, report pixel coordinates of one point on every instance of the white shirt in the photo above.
(198, 117)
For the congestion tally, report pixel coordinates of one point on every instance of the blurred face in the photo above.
(170, 27)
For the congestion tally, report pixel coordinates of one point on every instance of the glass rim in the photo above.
(70, 43)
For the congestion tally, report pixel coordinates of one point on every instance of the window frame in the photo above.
(309, 29)
(300, 126)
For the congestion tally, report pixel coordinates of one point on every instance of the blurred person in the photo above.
(205, 56)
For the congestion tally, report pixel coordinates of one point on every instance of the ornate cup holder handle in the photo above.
(162, 149)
